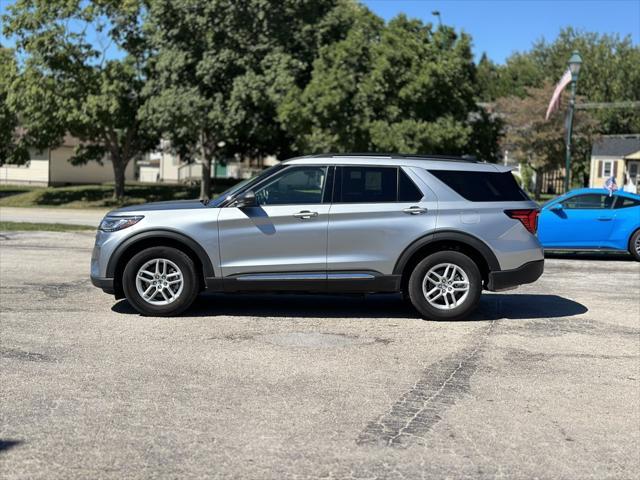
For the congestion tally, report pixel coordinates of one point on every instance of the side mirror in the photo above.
(557, 207)
(247, 199)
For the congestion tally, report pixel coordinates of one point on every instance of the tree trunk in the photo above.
(119, 167)
(205, 181)
(538, 184)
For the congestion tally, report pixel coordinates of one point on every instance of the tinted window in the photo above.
(589, 201)
(624, 202)
(298, 185)
(482, 186)
(407, 190)
(368, 184)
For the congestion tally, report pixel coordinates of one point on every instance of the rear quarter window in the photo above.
(626, 202)
(482, 186)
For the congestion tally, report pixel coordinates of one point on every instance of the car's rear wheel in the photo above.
(160, 281)
(445, 286)
(634, 245)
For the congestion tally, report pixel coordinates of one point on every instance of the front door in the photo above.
(584, 221)
(286, 233)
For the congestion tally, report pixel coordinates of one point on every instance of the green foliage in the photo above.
(67, 86)
(221, 67)
(400, 87)
(610, 73)
(42, 227)
(12, 148)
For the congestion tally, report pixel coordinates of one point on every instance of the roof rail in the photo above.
(416, 156)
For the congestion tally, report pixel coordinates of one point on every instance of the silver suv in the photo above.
(437, 229)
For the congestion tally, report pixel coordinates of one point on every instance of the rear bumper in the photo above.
(106, 284)
(505, 279)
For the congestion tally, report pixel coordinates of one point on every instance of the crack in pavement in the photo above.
(422, 406)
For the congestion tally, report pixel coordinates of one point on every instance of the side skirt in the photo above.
(307, 282)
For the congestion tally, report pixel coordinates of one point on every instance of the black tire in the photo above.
(634, 245)
(190, 286)
(467, 305)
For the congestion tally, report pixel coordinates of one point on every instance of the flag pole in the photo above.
(575, 63)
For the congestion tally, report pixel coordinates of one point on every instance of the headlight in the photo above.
(113, 224)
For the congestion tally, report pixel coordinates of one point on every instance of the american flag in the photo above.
(611, 185)
(554, 104)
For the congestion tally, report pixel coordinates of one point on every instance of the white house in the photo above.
(166, 166)
(51, 167)
(617, 156)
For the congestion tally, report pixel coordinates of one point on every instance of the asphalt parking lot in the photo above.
(542, 382)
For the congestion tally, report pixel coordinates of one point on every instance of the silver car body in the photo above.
(347, 241)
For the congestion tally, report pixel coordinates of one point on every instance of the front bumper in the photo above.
(506, 279)
(106, 284)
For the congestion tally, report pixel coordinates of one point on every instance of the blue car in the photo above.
(591, 219)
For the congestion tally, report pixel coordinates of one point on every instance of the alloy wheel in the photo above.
(445, 286)
(159, 281)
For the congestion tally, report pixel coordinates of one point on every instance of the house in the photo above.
(166, 166)
(617, 156)
(51, 167)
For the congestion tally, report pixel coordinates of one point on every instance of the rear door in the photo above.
(584, 221)
(377, 211)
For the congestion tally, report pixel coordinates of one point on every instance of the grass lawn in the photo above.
(43, 227)
(99, 196)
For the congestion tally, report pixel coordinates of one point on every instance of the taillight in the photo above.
(528, 218)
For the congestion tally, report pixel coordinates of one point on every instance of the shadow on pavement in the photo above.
(602, 256)
(8, 444)
(492, 306)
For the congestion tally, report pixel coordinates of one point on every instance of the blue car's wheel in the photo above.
(634, 245)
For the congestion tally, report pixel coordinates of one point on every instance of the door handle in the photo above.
(305, 214)
(605, 219)
(414, 210)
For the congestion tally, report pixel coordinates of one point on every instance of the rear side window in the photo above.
(368, 184)
(482, 186)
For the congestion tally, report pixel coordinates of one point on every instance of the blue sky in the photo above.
(501, 27)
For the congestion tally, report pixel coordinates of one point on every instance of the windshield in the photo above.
(238, 187)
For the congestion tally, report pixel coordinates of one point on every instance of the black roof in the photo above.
(414, 156)
(616, 145)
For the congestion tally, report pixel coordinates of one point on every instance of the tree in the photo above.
(540, 143)
(220, 68)
(401, 87)
(68, 85)
(610, 73)
(12, 149)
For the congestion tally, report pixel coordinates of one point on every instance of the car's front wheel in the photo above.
(445, 286)
(634, 245)
(160, 281)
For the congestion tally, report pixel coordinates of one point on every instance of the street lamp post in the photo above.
(575, 62)
(436, 13)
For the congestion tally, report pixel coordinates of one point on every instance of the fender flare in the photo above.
(207, 267)
(452, 235)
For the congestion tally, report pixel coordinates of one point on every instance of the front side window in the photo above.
(368, 185)
(296, 185)
(589, 201)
